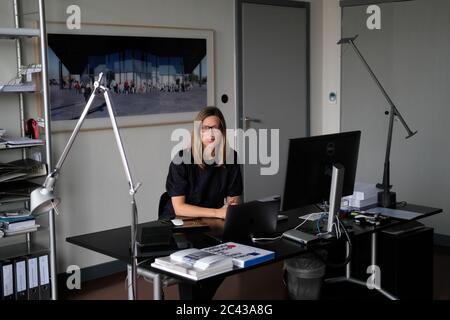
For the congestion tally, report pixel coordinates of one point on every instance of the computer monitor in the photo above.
(310, 166)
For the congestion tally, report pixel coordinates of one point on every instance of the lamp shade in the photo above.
(42, 200)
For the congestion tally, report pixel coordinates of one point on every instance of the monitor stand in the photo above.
(337, 184)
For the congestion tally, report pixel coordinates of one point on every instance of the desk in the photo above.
(115, 242)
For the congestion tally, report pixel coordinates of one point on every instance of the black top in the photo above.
(206, 187)
(116, 242)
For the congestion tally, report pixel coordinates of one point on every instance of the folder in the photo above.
(20, 279)
(44, 278)
(7, 280)
(33, 278)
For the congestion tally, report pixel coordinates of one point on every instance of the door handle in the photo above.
(248, 119)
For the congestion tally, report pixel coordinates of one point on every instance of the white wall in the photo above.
(316, 60)
(325, 66)
(92, 204)
(92, 185)
(9, 116)
(410, 56)
(95, 204)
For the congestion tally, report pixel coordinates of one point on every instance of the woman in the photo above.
(204, 184)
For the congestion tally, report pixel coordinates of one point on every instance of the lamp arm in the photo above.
(386, 198)
(80, 122)
(50, 181)
(53, 176)
(405, 125)
(45, 193)
(133, 190)
(118, 138)
(394, 109)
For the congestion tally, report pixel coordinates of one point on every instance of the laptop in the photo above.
(178, 242)
(248, 220)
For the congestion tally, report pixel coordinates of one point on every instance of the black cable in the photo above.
(347, 259)
(401, 204)
(322, 207)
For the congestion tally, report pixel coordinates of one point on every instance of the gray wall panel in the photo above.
(411, 57)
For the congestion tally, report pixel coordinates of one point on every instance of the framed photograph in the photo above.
(156, 75)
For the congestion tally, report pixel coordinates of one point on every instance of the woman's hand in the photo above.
(222, 212)
(186, 210)
(233, 200)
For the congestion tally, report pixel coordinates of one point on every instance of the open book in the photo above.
(194, 264)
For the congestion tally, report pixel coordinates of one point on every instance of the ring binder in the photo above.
(20, 279)
(33, 278)
(44, 278)
(7, 281)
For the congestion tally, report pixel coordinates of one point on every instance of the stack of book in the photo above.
(22, 170)
(19, 87)
(20, 224)
(7, 142)
(197, 264)
(364, 195)
(194, 264)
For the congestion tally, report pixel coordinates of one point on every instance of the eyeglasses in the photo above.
(207, 128)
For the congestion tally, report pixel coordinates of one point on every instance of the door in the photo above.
(273, 73)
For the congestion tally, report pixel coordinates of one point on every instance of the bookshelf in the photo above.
(20, 250)
(28, 89)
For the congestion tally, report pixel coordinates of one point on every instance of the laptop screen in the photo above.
(248, 220)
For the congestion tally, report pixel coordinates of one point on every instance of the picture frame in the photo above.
(172, 87)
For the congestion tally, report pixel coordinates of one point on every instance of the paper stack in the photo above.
(364, 195)
(13, 225)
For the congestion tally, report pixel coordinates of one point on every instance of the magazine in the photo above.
(194, 264)
(243, 256)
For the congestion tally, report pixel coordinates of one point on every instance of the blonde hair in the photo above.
(197, 145)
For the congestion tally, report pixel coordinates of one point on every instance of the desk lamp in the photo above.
(43, 199)
(386, 198)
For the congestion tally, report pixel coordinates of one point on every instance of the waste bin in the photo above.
(304, 277)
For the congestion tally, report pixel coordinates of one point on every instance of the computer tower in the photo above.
(406, 261)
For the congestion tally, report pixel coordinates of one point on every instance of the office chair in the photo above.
(162, 203)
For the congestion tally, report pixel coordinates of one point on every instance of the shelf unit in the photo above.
(16, 191)
(17, 33)
(8, 190)
(21, 249)
(21, 147)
